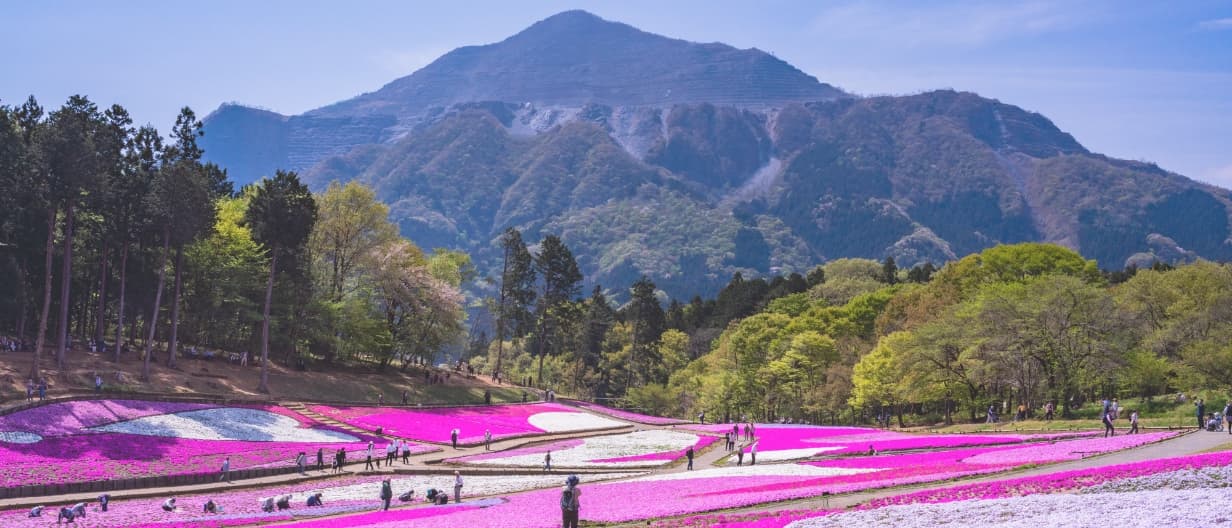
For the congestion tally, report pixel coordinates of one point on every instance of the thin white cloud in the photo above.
(954, 24)
(1216, 24)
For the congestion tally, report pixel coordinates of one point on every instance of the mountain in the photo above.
(689, 162)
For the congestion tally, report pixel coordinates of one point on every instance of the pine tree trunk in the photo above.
(42, 326)
(119, 344)
(265, 324)
(101, 324)
(175, 308)
(158, 297)
(66, 280)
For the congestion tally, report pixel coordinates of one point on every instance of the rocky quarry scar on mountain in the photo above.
(689, 162)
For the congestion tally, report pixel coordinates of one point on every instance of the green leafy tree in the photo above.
(516, 293)
(281, 217)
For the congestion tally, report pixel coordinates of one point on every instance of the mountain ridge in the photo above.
(770, 176)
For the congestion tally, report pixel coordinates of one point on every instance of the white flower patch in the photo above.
(1205, 477)
(767, 470)
(563, 422)
(19, 437)
(1148, 509)
(780, 455)
(473, 486)
(226, 424)
(604, 447)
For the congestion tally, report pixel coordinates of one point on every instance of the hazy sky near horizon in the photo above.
(1137, 80)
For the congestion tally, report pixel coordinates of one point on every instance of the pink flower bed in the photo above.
(69, 451)
(702, 443)
(532, 450)
(434, 425)
(627, 415)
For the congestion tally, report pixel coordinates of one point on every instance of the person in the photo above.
(1109, 430)
(391, 452)
(283, 502)
(368, 464)
(407, 497)
(523, 396)
(752, 431)
(98, 383)
(79, 510)
(380, 399)
(487, 439)
(314, 500)
(103, 501)
(225, 473)
(547, 461)
(487, 397)
(42, 389)
(1133, 422)
(1201, 408)
(210, 507)
(267, 504)
(406, 397)
(387, 493)
(740, 455)
(727, 441)
(689, 455)
(753, 454)
(320, 459)
(244, 359)
(1115, 409)
(406, 452)
(457, 486)
(570, 502)
(337, 461)
(169, 505)
(65, 515)
(36, 511)
(992, 413)
(1022, 412)
(29, 390)
(1227, 415)
(871, 451)
(453, 437)
(701, 417)
(1049, 408)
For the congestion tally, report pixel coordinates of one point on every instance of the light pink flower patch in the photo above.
(435, 425)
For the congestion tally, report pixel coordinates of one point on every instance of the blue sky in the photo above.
(1138, 80)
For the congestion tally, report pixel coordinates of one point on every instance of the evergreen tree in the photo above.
(281, 216)
(517, 292)
(889, 271)
(560, 279)
(646, 316)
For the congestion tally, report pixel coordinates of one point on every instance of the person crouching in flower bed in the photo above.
(169, 505)
(267, 504)
(103, 501)
(36, 511)
(65, 515)
(283, 502)
(314, 499)
(210, 507)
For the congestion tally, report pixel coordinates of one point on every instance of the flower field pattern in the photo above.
(642, 448)
(85, 441)
(435, 425)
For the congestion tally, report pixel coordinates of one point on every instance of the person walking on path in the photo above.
(1201, 408)
(368, 464)
(570, 503)
(301, 460)
(457, 487)
(29, 390)
(689, 454)
(487, 439)
(547, 461)
(405, 397)
(42, 390)
(244, 359)
(98, 383)
(1049, 409)
(1109, 430)
(453, 437)
(1133, 422)
(391, 452)
(406, 452)
(339, 456)
(387, 493)
(740, 455)
(320, 459)
(753, 454)
(225, 474)
(1227, 415)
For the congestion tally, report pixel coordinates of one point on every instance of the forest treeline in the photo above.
(121, 239)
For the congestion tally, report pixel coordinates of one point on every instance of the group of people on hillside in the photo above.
(70, 514)
(1213, 421)
(1111, 411)
(735, 441)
